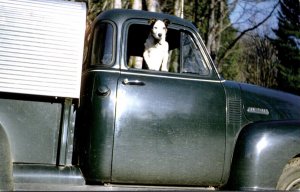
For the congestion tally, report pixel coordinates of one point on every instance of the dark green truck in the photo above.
(137, 129)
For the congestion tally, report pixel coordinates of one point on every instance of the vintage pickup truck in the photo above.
(137, 129)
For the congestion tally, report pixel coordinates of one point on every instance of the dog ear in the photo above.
(167, 22)
(152, 21)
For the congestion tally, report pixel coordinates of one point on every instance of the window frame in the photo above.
(211, 74)
(125, 33)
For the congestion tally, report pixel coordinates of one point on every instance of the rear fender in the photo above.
(261, 152)
(6, 178)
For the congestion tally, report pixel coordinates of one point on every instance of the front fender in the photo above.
(261, 152)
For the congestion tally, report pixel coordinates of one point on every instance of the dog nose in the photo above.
(159, 34)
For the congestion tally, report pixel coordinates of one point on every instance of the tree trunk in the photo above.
(117, 4)
(178, 8)
(218, 32)
(210, 43)
(153, 5)
(215, 28)
(137, 4)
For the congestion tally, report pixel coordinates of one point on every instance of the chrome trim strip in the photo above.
(159, 76)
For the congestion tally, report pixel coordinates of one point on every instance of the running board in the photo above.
(106, 187)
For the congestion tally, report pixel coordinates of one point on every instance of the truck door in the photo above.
(170, 126)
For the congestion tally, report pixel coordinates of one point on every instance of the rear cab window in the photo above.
(100, 46)
(102, 53)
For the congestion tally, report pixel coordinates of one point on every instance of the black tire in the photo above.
(290, 177)
(6, 178)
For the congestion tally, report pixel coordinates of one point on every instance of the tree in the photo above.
(212, 19)
(261, 61)
(287, 43)
(95, 7)
(249, 27)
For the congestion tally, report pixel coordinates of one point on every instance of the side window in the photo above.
(184, 54)
(137, 35)
(102, 51)
(192, 60)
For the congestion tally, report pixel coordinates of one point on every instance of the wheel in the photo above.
(290, 177)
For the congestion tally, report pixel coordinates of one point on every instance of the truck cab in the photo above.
(152, 127)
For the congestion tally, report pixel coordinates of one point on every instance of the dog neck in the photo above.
(157, 41)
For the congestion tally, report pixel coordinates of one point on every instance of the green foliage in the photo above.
(231, 66)
(198, 12)
(262, 64)
(287, 43)
(230, 69)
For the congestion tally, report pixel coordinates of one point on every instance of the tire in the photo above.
(290, 177)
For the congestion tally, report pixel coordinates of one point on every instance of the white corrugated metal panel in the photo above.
(41, 47)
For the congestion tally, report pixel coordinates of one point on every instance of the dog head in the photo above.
(159, 28)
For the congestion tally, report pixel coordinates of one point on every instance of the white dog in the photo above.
(156, 47)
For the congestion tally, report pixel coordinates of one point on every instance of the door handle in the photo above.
(133, 82)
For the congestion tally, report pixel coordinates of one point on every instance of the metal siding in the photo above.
(41, 47)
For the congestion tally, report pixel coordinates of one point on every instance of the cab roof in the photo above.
(119, 16)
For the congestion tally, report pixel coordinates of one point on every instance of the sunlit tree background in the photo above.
(252, 41)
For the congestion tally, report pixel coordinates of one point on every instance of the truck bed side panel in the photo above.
(32, 128)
